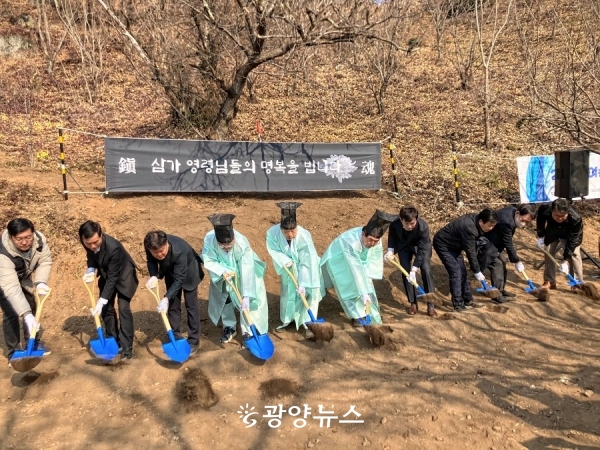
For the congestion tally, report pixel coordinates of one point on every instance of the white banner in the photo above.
(536, 178)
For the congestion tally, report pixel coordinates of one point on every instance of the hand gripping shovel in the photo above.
(589, 289)
(177, 350)
(542, 294)
(321, 329)
(428, 297)
(103, 347)
(260, 345)
(24, 360)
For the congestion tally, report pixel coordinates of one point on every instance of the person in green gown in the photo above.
(350, 264)
(292, 249)
(229, 258)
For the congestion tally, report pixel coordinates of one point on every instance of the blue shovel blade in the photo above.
(24, 360)
(104, 347)
(573, 282)
(260, 345)
(312, 318)
(177, 350)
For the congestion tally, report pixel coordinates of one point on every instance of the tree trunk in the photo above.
(486, 110)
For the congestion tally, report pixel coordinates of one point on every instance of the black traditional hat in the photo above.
(288, 214)
(379, 223)
(223, 227)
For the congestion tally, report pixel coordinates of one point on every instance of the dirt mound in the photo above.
(194, 390)
(279, 387)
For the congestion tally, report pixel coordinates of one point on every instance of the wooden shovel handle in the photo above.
(302, 297)
(393, 261)
(239, 296)
(163, 314)
(38, 311)
(93, 302)
(549, 255)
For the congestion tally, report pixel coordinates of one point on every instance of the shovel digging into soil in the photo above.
(377, 337)
(490, 292)
(589, 289)
(320, 329)
(542, 294)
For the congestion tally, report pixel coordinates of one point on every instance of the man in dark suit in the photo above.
(558, 223)
(501, 238)
(408, 237)
(117, 277)
(460, 235)
(173, 259)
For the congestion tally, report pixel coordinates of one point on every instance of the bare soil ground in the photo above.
(525, 378)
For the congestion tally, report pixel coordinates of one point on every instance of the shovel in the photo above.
(488, 291)
(428, 297)
(542, 294)
(177, 350)
(321, 329)
(103, 347)
(260, 345)
(376, 336)
(24, 360)
(589, 289)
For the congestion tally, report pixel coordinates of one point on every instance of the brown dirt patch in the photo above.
(194, 390)
(279, 388)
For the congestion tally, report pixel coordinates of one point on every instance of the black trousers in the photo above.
(193, 313)
(406, 258)
(121, 330)
(457, 273)
(11, 323)
(497, 268)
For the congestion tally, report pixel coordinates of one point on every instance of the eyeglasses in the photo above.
(24, 238)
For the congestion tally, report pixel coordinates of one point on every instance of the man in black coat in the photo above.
(408, 237)
(558, 223)
(500, 239)
(173, 259)
(117, 277)
(460, 235)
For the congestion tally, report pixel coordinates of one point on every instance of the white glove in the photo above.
(152, 283)
(42, 289)
(540, 243)
(564, 267)
(228, 275)
(30, 322)
(289, 264)
(479, 276)
(99, 305)
(366, 298)
(301, 290)
(163, 306)
(389, 254)
(519, 267)
(412, 276)
(89, 277)
(246, 303)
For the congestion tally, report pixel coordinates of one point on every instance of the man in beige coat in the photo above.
(25, 264)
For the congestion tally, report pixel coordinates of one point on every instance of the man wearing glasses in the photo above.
(230, 260)
(25, 264)
(501, 238)
(173, 259)
(558, 223)
(351, 262)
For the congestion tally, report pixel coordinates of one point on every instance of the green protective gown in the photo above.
(306, 269)
(350, 268)
(249, 271)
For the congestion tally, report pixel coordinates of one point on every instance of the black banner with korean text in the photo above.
(172, 165)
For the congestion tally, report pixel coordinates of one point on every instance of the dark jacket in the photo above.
(181, 267)
(502, 234)
(459, 235)
(401, 240)
(115, 266)
(571, 229)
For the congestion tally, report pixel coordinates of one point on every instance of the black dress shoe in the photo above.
(127, 353)
(508, 294)
(501, 299)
